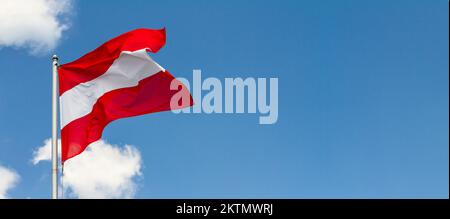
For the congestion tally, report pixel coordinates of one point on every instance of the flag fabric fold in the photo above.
(117, 80)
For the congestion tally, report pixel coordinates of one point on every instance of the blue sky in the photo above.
(363, 99)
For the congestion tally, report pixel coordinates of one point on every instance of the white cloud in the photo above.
(44, 152)
(34, 24)
(101, 171)
(8, 179)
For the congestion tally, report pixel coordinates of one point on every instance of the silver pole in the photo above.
(55, 128)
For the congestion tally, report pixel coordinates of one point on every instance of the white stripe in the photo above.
(126, 71)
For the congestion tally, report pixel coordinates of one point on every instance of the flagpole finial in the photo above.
(55, 58)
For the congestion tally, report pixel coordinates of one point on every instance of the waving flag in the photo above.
(117, 80)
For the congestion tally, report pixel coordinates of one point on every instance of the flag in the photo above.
(117, 80)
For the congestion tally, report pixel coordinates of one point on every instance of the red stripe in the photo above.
(152, 94)
(96, 62)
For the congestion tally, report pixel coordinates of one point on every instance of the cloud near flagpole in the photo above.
(102, 171)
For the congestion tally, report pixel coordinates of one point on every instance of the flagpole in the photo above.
(55, 128)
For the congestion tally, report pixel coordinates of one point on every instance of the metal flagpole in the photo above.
(55, 128)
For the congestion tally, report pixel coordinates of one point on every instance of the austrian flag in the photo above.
(117, 80)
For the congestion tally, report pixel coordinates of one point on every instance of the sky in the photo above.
(363, 100)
